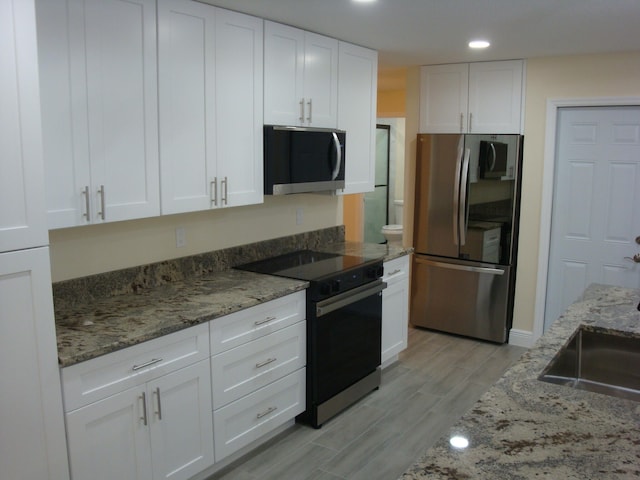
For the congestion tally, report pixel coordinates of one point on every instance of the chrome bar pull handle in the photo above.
(301, 118)
(461, 122)
(310, 105)
(470, 122)
(266, 412)
(146, 364)
(159, 412)
(86, 214)
(214, 191)
(143, 397)
(225, 190)
(266, 320)
(101, 193)
(266, 362)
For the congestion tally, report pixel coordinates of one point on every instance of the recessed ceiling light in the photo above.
(479, 44)
(364, 1)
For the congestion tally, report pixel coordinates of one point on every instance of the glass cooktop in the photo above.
(308, 264)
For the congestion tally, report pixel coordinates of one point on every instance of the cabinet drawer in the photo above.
(100, 377)
(241, 327)
(243, 369)
(396, 269)
(245, 420)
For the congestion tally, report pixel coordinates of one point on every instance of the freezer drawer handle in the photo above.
(465, 268)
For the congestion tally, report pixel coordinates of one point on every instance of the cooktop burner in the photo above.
(309, 265)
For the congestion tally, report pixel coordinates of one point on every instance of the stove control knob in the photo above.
(335, 286)
(325, 288)
(374, 272)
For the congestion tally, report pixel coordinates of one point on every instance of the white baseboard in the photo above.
(521, 338)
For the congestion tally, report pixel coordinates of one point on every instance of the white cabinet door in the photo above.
(122, 107)
(181, 422)
(320, 80)
(65, 136)
(301, 77)
(395, 308)
(22, 214)
(283, 75)
(495, 93)
(110, 438)
(357, 87)
(239, 107)
(186, 63)
(483, 97)
(99, 76)
(32, 443)
(444, 91)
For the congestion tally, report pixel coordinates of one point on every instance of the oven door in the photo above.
(344, 339)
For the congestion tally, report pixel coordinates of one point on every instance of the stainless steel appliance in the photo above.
(344, 326)
(303, 159)
(465, 234)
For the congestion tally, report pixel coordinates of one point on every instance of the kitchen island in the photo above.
(523, 428)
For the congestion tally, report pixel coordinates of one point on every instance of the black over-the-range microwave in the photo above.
(303, 159)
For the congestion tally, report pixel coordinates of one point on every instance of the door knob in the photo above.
(638, 240)
(635, 258)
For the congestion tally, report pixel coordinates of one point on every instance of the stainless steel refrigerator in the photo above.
(465, 236)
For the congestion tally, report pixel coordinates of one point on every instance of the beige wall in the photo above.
(613, 75)
(81, 251)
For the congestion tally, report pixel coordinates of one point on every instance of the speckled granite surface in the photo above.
(104, 313)
(523, 428)
(111, 323)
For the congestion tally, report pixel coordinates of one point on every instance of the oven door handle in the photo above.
(343, 299)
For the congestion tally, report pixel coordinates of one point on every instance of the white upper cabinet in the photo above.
(484, 97)
(22, 213)
(357, 93)
(99, 106)
(186, 82)
(210, 83)
(239, 107)
(301, 77)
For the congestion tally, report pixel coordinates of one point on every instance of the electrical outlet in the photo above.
(181, 237)
(299, 216)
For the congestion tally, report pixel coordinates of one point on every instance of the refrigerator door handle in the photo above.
(462, 214)
(456, 193)
(466, 268)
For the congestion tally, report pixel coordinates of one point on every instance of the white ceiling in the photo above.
(421, 32)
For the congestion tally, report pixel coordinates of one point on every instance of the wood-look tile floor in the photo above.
(436, 380)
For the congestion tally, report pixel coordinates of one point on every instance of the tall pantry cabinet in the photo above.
(32, 443)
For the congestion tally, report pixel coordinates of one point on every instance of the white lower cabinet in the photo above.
(257, 371)
(162, 427)
(395, 308)
(254, 415)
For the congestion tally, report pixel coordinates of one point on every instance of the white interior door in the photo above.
(596, 214)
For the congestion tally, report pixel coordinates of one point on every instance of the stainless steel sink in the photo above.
(599, 362)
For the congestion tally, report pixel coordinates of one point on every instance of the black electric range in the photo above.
(344, 326)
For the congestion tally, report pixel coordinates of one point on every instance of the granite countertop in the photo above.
(523, 428)
(88, 326)
(108, 324)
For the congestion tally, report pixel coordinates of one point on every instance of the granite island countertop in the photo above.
(523, 428)
(88, 325)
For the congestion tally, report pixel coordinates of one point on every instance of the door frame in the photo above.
(548, 177)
